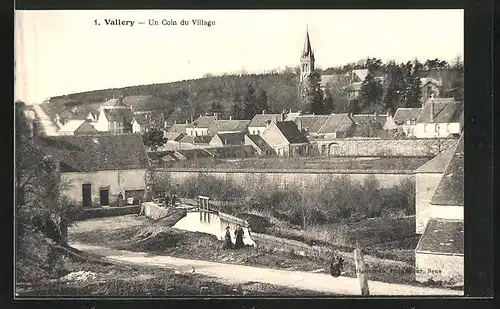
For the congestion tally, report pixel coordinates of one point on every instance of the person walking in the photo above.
(239, 237)
(336, 266)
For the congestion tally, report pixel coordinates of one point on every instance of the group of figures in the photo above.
(170, 199)
(228, 242)
(336, 266)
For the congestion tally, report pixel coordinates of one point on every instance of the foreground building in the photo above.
(286, 139)
(439, 255)
(95, 169)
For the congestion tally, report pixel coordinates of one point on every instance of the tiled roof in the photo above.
(232, 138)
(443, 112)
(260, 142)
(438, 163)
(84, 153)
(203, 121)
(404, 114)
(228, 125)
(119, 115)
(200, 139)
(450, 190)
(178, 128)
(291, 132)
(260, 120)
(442, 236)
(369, 118)
(336, 123)
(441, 100)
(311, 123)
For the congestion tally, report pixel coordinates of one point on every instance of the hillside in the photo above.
(183, 98)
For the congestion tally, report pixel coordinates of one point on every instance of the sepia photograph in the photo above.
(241, 153)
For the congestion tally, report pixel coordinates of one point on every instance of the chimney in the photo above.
(263, 112)
(187, 121)
(230, 117)
(175, 121)
(282, 115)
(299, 125)
(432, 112)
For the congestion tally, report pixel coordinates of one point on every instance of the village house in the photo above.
(439, 255)
(259, 144)
(427, 178)
(95, 169)
(227, 139)
(406, 119)
(430, 87)
(211, 125)
(369, 125)
(337, 126)
(115, 121)
(286, 139)
(77, 127)
(144, 120)
(259, 122)
(440, 117)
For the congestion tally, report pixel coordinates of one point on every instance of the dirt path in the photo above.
(242, 274)
(49, 127)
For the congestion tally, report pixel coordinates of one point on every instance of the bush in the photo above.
(332, 200)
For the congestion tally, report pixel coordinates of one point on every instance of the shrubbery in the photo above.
(334, 200)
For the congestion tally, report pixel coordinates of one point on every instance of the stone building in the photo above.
(439, 255)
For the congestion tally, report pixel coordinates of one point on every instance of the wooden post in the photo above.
(360, 270)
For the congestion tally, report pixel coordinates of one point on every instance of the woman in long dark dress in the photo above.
(239, 237)
(228, 243)
(336, 266)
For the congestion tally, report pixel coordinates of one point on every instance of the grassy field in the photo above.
(389, 255)
(339, 163)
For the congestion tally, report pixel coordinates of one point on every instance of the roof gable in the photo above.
(260, 120)
(450, 190)
(438, 163)
(336, 123)
(227, 126)
(443, 112)
(404, 114)
(310, 123)
(442, 236)
(231, 138)
(86, 153)
(72, 125)
(291, 132)
(258, 141)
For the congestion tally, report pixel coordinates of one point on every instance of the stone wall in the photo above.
(366, 147)
(260, 179)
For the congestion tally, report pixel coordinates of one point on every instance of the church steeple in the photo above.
(306, 59)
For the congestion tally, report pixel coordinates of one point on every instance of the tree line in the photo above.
(399, 87)
(244, 95)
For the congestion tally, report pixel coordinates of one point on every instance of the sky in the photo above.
(62, 52)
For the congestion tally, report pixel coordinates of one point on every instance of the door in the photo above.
(104, 196)
(87, 195)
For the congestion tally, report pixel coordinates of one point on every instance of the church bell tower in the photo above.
(306, 59)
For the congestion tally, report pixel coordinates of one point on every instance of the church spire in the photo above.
(307, 50)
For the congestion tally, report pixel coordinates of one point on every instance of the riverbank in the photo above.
(137, 234)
